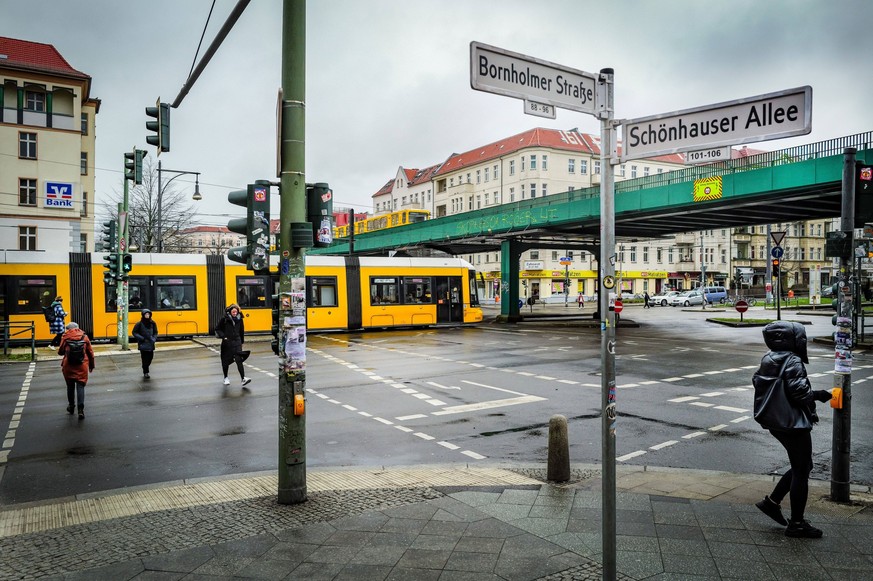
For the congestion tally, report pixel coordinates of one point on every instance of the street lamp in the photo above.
(178, 173)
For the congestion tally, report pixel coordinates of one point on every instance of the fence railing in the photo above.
(18, 332)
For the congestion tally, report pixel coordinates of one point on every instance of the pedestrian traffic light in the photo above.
(863, 194)
(256, 226)
(319, 213)
(161, 126)
(110, 235)
(110, 263)
(126, 264)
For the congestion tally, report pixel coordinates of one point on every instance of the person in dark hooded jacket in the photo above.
(231, 331)
(789, 415)
(146, 333)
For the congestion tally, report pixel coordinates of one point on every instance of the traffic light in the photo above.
(110, 263)
(275, 328)
(126, 264)
(319, 213)
(110, 235)
(775, 263)
(161, 126)
(256, 226)
(133, 165)
(863, 194)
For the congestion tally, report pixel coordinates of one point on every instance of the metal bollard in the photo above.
(558, 469)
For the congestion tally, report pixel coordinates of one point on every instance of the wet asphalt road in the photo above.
(474, 395)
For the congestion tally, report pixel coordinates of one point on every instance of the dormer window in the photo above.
(34, 101)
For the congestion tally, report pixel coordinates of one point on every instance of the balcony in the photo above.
(686, 238)
(461, 189)
(742, 237)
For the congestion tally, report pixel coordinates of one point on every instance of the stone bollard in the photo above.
(559, 450)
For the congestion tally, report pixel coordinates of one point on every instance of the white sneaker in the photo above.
(246, 381)
(226, 381)
(53, 348)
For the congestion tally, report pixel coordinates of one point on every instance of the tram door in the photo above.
(450, 299)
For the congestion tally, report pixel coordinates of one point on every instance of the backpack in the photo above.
(76, 352)
(49, 313)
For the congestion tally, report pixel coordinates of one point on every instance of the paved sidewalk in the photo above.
(448, 523)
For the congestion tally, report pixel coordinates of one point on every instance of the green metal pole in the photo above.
(292, 269)
(121, 333)
(123, 241)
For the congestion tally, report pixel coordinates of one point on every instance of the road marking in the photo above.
(322, 396)
(384, 421)
(403, 428)
(740, 419)
(435, 402)
(730, 409)
(650, 382)
(711, 394)
(526, 373)
(448, 445)
(673, 379)
(350, 408)
(473, 455)
(459, 409)
(409, 390)
(663, 445)
(366, 415)
(568, 381)
(435, 384)
(546, 377)
(629, 385)
(421, 395)
(631, 455)
(692, 375)
(333, 401)
(591, 385)
(712, 372)
(702, 404)
(423, 436)
(718, 427)
(693, 435)
(412, 417)
(492, 387)
(732, 369)
(683, 399)
(398, 385)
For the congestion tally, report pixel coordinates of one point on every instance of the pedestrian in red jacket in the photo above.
(77, 363)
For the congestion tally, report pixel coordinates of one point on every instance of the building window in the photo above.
(486, 198)
(84, 210)
(534, 254)
(478, 176)
(522, 191)
(496, 172)
(621, 170)
(468, 178)
(597, 167)
(571, 165)
(84, 124)
(633, 253)
(27, 237)
(522, 163)
(83, 164)
(670, 255)
(645, 254)
(478, 201)
(660, 170)
(26, 192)
(583, 166)
(533, 162)
(512, 167)
(496, 197)
(633, 171)
(83, 243)
(487, 171)
(645, 170)
(545, 162)
(34, 101)
(545, 187)
(511, 194)
(26, 145)
(533, 190)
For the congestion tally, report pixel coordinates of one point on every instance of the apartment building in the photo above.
(47, 145)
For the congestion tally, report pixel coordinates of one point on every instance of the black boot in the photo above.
(81, 412)
(70, 409)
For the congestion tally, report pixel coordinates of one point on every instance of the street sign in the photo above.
(710, 155)
(618, 306)
(539, 109)
(565, 261)
(511, 74)
(761, 118)
(741, 306)
(777, 252)
(777, 237)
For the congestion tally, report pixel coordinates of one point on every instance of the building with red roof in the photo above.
(47, 146)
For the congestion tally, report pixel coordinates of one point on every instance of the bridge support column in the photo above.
(510, 252)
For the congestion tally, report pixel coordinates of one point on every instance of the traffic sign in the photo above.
(500, 71)
(618, 306)
(741, 306)
(761, 118)
(777, 252)
(777, 237)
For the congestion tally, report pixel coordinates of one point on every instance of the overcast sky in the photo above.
(388, 81)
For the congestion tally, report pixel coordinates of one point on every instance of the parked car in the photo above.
(687, 298)
(662, 299)
(715, 294)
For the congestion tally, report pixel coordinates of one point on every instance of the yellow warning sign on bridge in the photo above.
(707, 189)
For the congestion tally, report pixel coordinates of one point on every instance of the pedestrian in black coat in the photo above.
(231, 331)
(789, 414)
(146, 333)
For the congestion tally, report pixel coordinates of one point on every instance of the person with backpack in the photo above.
(77, 363)
(146, 333)
(231, 331)
(55, 316)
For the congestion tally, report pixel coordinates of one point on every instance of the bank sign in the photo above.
(511, 74)
(761, 118)
(59, 195)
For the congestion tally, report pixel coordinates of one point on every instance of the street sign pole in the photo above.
(607, 320)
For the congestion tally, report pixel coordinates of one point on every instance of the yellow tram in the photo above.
(188, 292)
(383, 221)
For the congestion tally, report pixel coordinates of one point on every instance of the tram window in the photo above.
(251, 291)
(137, 294)
(176, 293)
(417, 290)
(474, 293)
(384, 290)
(322, 291)
(33, 293)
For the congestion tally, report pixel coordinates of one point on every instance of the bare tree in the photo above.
(176, 211)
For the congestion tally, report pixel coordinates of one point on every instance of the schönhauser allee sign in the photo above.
(761, 118)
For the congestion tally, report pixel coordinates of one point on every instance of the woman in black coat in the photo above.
(231, 331)
(146, 333)
(789, 414)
